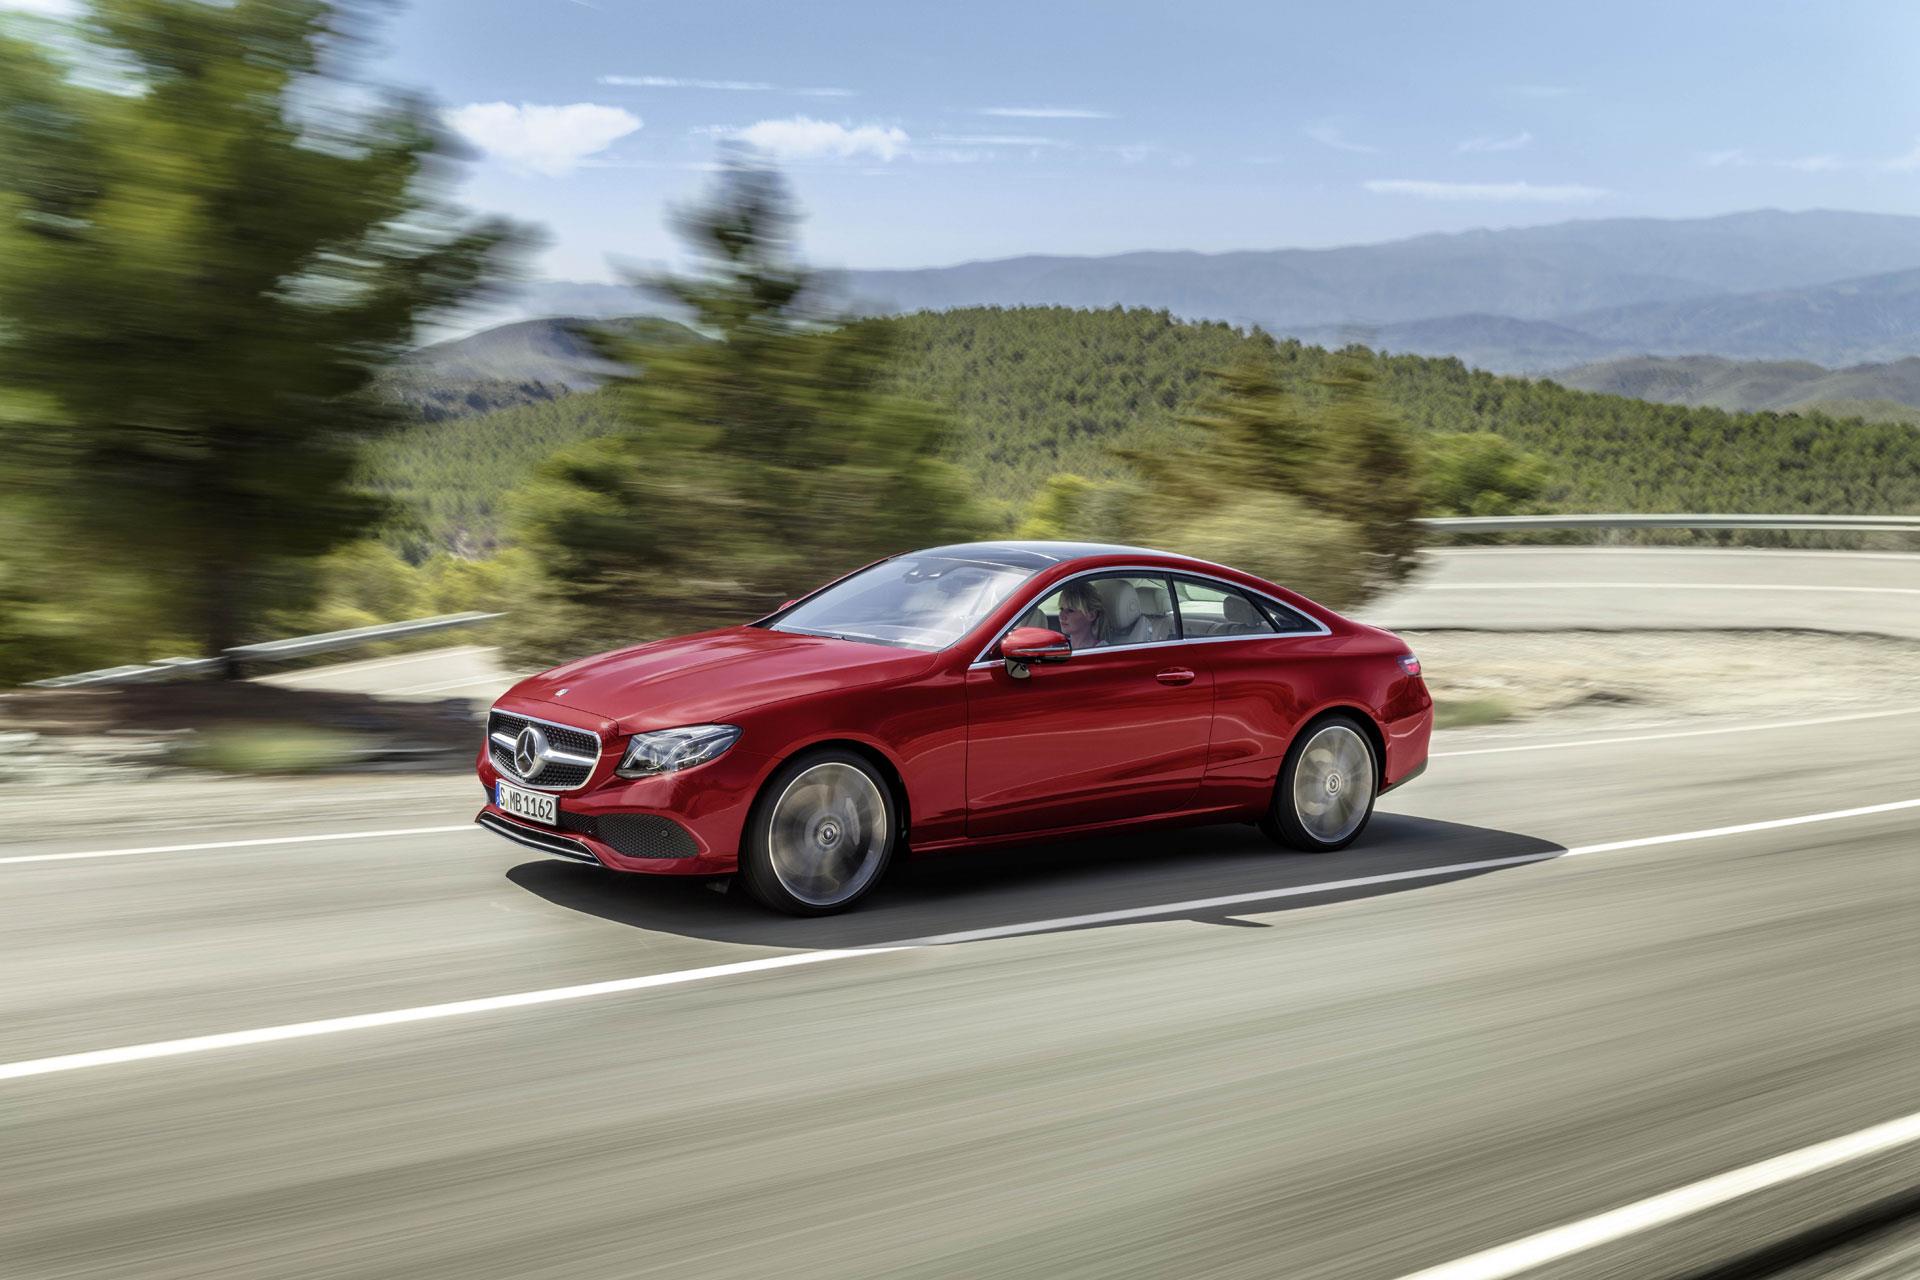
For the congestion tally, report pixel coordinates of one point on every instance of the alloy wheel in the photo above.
(827, 834)
(1333, 784)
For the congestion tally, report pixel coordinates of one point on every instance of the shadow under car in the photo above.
(1038, 883)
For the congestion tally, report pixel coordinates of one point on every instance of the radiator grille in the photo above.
(556, 776)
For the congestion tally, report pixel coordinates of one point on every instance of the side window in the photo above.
(1208, 610)
(1288, 620)
(1104, 611)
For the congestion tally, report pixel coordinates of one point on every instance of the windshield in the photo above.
(917, 601)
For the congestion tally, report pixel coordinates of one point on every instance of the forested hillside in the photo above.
(1044, 389)
(1035, 391)
(452, 476)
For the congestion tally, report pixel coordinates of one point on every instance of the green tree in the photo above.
(211, 239)
(1477, 473)
(1369, 474)
(1319, 493)
(750, 466)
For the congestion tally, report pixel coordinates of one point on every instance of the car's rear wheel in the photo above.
(821, 835)
(1327, 787)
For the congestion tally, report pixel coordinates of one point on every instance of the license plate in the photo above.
(521, 803)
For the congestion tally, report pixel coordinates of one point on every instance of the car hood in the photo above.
(714, 675)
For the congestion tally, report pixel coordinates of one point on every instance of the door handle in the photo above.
(1175, 675)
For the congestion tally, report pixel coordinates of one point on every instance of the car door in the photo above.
(1118, 730)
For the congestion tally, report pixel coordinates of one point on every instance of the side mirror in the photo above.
(1033, 644)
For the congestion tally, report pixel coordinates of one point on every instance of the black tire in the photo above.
(1325, 758)
(821, 834)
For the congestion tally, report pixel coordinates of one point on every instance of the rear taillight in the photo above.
(1410, 664)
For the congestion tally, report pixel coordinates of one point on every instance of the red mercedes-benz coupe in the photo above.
(957, 697)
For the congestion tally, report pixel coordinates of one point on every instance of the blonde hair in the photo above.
(1081, 595)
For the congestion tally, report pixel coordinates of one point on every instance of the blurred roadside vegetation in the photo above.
(212, 238)
(1319, 497)
(744, 469)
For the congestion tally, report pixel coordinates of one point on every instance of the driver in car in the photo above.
(1083, 615)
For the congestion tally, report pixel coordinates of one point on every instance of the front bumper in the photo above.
(546, 841)
(693, 819)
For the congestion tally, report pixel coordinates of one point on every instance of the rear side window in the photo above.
(1207, 610)
(1211, 609)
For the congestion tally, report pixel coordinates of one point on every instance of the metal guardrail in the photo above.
(328, 641)
(271, 651)
(1509, 524)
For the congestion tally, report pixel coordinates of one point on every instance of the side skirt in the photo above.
(1209, 816)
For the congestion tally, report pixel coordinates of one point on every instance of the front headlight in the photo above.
(665, 750)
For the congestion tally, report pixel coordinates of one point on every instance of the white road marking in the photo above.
(1577, 1237)
(525, 999)
(1468, 751)
(1391, 877)
(236, 844)
(424, 1013)
(1678, 733)
(1766, 553)
(1659, 586)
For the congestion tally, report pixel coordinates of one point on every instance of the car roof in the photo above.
(1040, 555)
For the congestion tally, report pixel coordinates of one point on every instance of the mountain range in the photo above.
(1832, 287)
(1880, 392)
(510, 364)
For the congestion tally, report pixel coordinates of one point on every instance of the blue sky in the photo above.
(920, 134)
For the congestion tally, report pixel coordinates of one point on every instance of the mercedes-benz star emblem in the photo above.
(530, 752)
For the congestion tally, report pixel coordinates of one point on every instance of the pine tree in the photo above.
(751, 466)
(1371, 476)
(210, 243)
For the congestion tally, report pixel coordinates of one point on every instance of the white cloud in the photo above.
(1522, 192)
(545, 139)
(1513, 143)
(50, 8)
(803, 138)
(1903, 163)
(1732, 157)
(1328, 134)
(1046, 113)
(681, 82)
(727, 86)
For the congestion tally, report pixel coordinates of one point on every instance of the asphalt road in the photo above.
(1520, 588)
(1366, 1080)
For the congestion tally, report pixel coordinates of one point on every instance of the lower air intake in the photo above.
(645, 835)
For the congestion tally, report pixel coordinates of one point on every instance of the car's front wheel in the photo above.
(820, 836)
(1327, 787)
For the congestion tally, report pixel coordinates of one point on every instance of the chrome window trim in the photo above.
(518, 781)
(982, 661)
